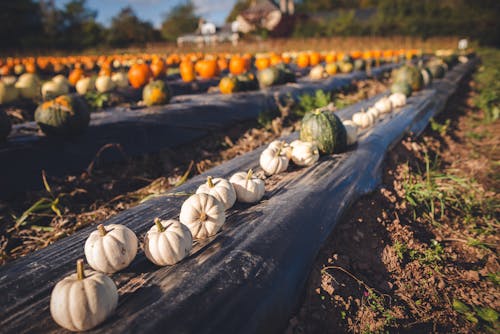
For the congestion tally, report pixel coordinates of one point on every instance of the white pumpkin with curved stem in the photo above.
(384, 105)
(398, 100)
(85, 85)
(219, 188)
(275, 158)
(304, 153)
(167, 242)
(249, 189)
(203, 214)
(112, 248)
(351, 132)
(83, 300)
(363, 119)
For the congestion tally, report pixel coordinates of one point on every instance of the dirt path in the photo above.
(420, 254)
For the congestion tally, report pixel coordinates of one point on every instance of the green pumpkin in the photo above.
(325, 129)
(410, 75)
(247, 81)
(401, 87)
(426, 76)
(156, 93)
(5, 126)
(437, 71)
(66, 115)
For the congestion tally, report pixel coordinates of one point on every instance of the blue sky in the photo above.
(154, 10)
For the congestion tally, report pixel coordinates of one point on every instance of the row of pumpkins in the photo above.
(112, 248)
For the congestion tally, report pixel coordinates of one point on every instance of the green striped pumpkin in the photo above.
(66, 115)
(325, 129)
(401, 87)
(410, 75)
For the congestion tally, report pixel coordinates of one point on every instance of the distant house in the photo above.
(268, 15)
(208, 33)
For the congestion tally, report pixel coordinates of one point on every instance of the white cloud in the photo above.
(214, 9)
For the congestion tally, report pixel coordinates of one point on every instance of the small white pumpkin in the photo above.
(384, 105)
(317, 72)
(29, 86)
(52, 89)
(203, 214)
(9, 80)
(304, 153)
(351, 132)
(279, 144)
(374, 112)
(274, 159)
(167, 242)
(112, 248)
(83, 300)
(219, 188)
(463, 59)
(120, 79)
(249, 189)
(85, 85)
(363, 119)
(398, 100)
(426, 77)
(104, 84)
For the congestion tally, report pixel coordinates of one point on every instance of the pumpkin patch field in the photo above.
(277, 190)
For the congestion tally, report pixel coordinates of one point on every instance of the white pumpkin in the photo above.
(112, 248)
(384, 105)
(120, 79)
(203, 214)
(61, 79)
(51, 89)
(83, 300)
(8, 93)
(374, 112)
(85, 85)
(280, 144)
(9, 80)
(398, 100)
(274, 159)
(363, 119)
(167, 242)
(304, 153)
(104, 84)
(219, 188)
(317, 72)
(351, 132)
(249, 189)
(463, 59)
(29, 86)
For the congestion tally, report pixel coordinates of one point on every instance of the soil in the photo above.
(391, 266)
(102, 191)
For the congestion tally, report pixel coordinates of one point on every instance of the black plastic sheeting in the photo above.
(185, 119)
(250, 276)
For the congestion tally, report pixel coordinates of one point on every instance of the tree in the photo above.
(21, 24)
(126, 29)
(79, 25)
(180, 20)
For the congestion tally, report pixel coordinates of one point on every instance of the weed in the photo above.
(308, 102)
(442, 129)
(488, 80)
(483, 317)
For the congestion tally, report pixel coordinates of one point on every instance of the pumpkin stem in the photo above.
(203, 216)
(80, 274)
(209, 182)
(102, 230)
(158, 224)
(249, 174)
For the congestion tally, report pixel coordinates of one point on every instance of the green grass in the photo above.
(488, 81)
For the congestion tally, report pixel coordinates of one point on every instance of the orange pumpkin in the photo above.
(262, 63)
(314, 58)
(139, 75)
(75, 75)
(206, 68)
(237, 65)
(303, 60)
(222, 63)
(158, 68)
(331, 58)
(186, 69)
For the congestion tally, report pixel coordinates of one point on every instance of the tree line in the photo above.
(30, 25)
